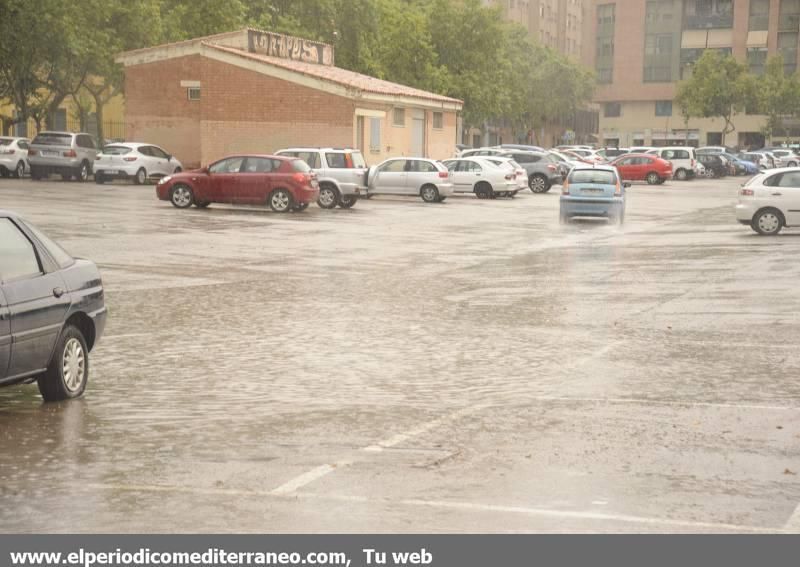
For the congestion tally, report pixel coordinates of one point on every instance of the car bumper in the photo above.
(99, 319)
(446, 189)
(348, 189)
(589, 207)
(745, 211)
(306, 195)
(116, 172)
(9, 163)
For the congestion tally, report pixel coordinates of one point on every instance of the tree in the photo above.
(187, 19)
(719, 87)
(777, 96)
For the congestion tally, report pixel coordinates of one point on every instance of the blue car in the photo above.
(593, 191)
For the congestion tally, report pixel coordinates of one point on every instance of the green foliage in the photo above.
(777, 95)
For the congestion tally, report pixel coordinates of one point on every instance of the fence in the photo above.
(112, 130)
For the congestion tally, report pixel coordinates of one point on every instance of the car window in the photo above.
(17, 256)
(61, 256)
(145, 151)
(116, 150)
(5, 141)
(773, 180)
(311, 158)
(85, 141)
(626, 161)
(422, 166)
(299, 165)
(157, 152)
(51, 139)
(259, 165)
(395, 166)
(473, 167)
(597, 176)
(790, 179)
(230, 165)
(22, 145)
(336, 161)
(358, 159)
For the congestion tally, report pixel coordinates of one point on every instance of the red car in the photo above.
(643, 167)
(283, 183)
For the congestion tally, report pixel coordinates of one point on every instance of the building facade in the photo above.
(642, 48)
(252, 91)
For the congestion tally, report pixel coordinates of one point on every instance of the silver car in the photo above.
(14, 156)
(341, 173)
(71, 155)
(426, 178)
(787, 157)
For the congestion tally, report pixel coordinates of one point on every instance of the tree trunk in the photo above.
(99, 103)
(52, 109)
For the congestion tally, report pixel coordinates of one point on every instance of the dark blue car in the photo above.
(52, 312)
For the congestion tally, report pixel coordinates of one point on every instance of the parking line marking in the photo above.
(453, 505)
(306, 478)
(643, 401)
(793, 523)
(422, 428)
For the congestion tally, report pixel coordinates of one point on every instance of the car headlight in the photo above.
(164, 179)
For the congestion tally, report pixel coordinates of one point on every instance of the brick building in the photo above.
(642, 49)
(254, 91)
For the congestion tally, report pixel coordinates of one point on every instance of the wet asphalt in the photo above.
(469, 366)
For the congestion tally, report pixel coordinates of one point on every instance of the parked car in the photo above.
(643, 149)
(52, 312)
(71, 155)
(593, 191)
(476, 152)
(564, 162)
(759, 160)
(611, 153)
(740, 166)
(134, 161)
(714, 165)
(543, 171)
(520, 175)
(643, 167)
(341, 174)
(590, 156)
(522, 147)
(770, 201)
(715, 150)
(787, 156)
(482, 177)
(683, 160)
(14, 156)
(283, 183)
(426, 178)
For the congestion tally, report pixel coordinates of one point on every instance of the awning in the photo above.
(694, 39)
(720, 38)
(757, 38)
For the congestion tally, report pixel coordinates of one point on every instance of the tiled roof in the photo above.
(339, 76)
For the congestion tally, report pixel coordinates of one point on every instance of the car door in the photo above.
(786, 195)
(460, 176)
(156, 161)
(5, 335)
(625, 168)
(23, 150)
(391, 177)
(254, 184)
(37, 300)
(222, 179)
(419, 173)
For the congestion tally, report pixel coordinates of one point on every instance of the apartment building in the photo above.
(642, 48)
(555, 23)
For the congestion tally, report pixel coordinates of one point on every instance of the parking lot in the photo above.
(469, 366)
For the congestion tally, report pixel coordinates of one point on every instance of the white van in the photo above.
(683, 158)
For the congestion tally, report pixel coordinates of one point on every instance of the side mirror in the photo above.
(169, 157)
(205, 170)
(627, 184)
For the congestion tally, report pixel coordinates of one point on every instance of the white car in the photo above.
(591, 156)
(513, 166)
(426, 178)
(14, 156)
(770, 201)
(135, 161)
(683, 160)
(483, 152)
(787, 157)
(482, 177)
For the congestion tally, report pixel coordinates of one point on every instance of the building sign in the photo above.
(288, 47)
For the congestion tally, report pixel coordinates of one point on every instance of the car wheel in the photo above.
(19, 172)
(99, 179)
(512, 194)
(181, 197)
(539, 184)
(280, 201)
(429, 194)
(792, 164)
(714, 174)
(68, 373)
(483, 190)
(681, 175)
(3, 172)
(141, 177)
(348, 201)
(652, 178)
(202, 204)
(768, 222)
(299, 207)
(83, 172)
(328, 196)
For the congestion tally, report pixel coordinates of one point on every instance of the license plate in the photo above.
(593, 191)
(49, 154)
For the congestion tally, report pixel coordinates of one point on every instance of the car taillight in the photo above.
(565, 188)
(551, 167)
(693, 163)
(746, 192)
(618, 190)
(133, 158)
(511, 176)
(70, 153)
(32, 152)
(301, 177)
(97, 157)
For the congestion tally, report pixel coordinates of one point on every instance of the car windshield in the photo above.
(5, 141)
(51, 139)
(358, 159)
(116, 150)
(301, 166)
(597, 176)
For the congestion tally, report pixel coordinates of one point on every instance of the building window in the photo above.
(606, 14)
(659, 13)
(438, 121)
(708, 14)
(399, 117)
(759, 15)
(193, 93)
(663, 108)
(612, 110)
(605, 76)
(787, 46)
(756, 59)
(604, 48)
(375, 135)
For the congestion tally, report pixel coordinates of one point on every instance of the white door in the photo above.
(390, 177)
(418, 133)
(788, 199)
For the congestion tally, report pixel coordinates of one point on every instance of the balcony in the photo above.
(708, 21)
